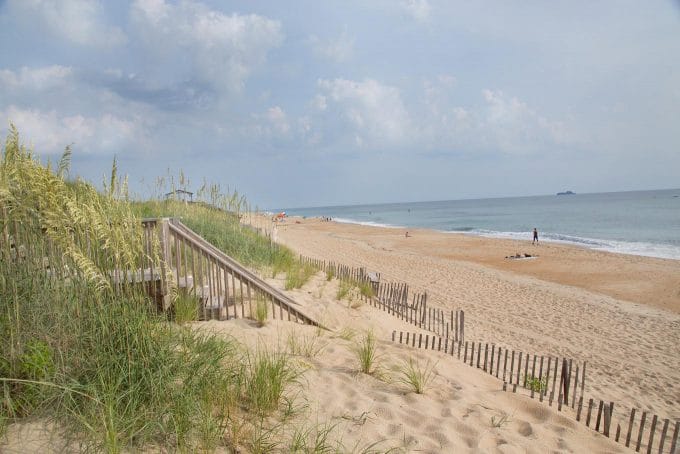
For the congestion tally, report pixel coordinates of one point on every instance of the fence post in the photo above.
(165, 251)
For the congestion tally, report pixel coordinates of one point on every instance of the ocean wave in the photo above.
(656, 250)
(367, 223)
(462, 229)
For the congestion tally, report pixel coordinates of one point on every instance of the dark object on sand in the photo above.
(520, 256)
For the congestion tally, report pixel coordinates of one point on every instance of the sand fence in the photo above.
(553, 380)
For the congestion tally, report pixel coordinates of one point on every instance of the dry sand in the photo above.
(462, 409)
(619, 313)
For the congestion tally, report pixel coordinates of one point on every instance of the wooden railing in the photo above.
(222, 287)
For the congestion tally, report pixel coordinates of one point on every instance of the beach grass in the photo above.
(306, 345)
(366, 353)
(90, 352)
(418, 377)
(261, 311)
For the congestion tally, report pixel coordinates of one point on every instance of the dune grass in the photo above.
(417, 377)
(218, 224)
(307, 345)
(89, 352)
(366, 353)
(185, 308)
(261, 311)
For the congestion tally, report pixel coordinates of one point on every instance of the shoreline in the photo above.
(595, 244)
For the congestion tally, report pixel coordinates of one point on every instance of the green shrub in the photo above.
(535, 383)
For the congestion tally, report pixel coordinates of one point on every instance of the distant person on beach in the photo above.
(407, 235)
(535, 240)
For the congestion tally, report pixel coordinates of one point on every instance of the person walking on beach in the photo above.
(535, 240)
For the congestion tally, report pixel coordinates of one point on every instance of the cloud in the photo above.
(168, 96)
(374, 112)
(35, 78)
(338, 50)
(80, 22)
(273, 124)
(418, 9)
(514, 127)
(220, 50)
(50, 132)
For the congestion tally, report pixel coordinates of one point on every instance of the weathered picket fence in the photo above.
(396, 300)
(538, 375)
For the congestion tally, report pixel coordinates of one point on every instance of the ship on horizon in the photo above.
(566, 193)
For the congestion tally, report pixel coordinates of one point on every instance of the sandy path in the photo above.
(538, 306)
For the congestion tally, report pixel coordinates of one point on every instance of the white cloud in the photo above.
(80, 22)
(35, 78)
(319, 102)
(221, 50)
(418, 9)
(50, 132)
(273, 122)
(374, 111)
(515, 127)
(338, 50)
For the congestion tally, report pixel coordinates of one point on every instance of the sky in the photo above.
(309, 103)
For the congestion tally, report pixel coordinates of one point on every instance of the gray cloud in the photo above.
(81, 22)
(218, 49)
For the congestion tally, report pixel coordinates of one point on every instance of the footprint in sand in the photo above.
(524, 428)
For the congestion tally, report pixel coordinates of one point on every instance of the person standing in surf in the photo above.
(535, 240)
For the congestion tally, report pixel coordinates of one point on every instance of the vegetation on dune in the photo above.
(415, 376)
(83, 349)
(366, 353)
(218, 221)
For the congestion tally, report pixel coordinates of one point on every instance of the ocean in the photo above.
(643, 223)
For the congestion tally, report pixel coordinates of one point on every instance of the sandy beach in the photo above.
(619, 313)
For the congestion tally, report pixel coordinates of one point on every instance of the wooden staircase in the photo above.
(223, 288)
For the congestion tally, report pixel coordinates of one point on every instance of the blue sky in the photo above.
(318, 103)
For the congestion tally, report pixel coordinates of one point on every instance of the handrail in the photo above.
(177, 228)
(220, 256)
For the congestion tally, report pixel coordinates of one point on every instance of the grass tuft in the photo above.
(499, 421)
(344, 289)
(414, 375)
(306, 345)
(535, 383)
(261, 311)
(298, 274)
(185, 308)
(267, 375)
(366, 353)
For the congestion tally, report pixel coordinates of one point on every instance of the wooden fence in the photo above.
(395, 299)
(538, 374)
(222, 287)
